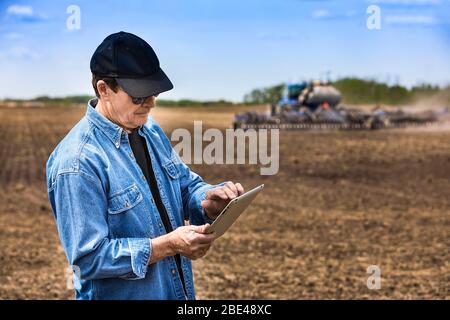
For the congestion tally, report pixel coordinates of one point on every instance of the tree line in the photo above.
(353, 90)
(358, 91)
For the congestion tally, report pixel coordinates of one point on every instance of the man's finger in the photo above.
(199, 229)
(204, 228)
(229, 192)
(214, 206)
(206, 238)
(209, 204)
(217, 193)
(203, 234)
(222, 193)
(232, 187)
(240, 188)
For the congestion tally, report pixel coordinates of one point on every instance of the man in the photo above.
(119, 192)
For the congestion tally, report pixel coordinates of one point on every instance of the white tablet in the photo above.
(232, 211)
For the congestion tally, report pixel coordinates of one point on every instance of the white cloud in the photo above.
(412, 19)
(326, 15)
(24, 14)
(320, 14)
(22, 11)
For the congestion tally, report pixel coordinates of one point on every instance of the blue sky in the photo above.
(223, 49)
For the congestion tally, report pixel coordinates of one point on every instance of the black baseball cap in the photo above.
(132, 62)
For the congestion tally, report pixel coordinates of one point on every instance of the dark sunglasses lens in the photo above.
(138, 100)
(141, 100)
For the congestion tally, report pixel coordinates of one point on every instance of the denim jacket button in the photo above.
(174, 271)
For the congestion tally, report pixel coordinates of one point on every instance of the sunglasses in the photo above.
(139, 101)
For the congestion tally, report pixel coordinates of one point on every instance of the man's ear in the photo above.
(102, 89)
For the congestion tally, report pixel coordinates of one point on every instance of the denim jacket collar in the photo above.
(110, 129)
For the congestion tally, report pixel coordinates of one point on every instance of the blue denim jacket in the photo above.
(106, 215)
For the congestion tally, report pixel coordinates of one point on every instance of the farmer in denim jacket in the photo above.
(119, 192)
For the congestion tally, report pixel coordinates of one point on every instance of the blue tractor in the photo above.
(315, 105)
(301, 103)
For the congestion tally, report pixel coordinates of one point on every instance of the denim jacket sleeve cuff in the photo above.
(141, 251)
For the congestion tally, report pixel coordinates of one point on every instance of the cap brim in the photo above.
(145, 87)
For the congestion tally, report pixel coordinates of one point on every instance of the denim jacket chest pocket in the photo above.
(124, 200)
(127, 216)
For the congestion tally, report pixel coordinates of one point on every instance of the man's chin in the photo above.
(141, 119)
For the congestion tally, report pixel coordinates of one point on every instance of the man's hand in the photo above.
(191, 241)
(217, 198)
